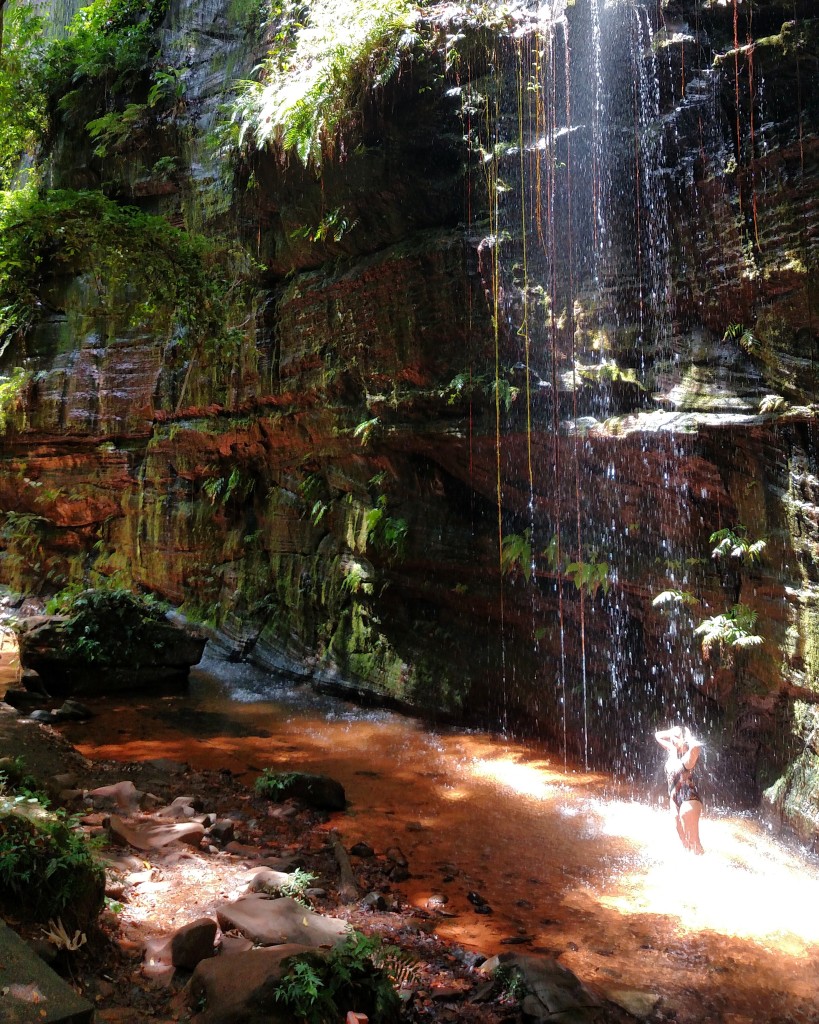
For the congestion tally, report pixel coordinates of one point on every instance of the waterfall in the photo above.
(581, 301)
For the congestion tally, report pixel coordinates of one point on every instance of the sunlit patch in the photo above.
(534, 779)
(746, 885)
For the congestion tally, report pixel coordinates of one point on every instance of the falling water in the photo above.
(574, 150)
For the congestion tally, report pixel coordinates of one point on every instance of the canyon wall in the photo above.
(496, 374)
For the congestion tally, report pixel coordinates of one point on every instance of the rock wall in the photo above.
(541, 349)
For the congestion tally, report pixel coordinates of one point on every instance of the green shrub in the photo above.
(319, 989)
(106, 54)
(106, 626)
(48, 869)
(22, 97)
(187, 285)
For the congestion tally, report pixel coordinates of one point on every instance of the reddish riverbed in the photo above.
(596, 878)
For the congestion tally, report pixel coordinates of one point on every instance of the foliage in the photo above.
(503, 392)
(326, 57)
(295, 885)
(14, 777)
(187, 284)
(510, 981)
(58, 936)
(673, 597)
(385, 532)
(364, 431)
(516, 552)
(770, 404)
(333, 225)
(106, 55)
(11, 390)
(272, 784)
(589, 576)
(106, 626)
(220, 489)
(46, 865)
(22, 534)
(744, 337)
(22, 99)
(356, 579)
(319, 989)
(111, 131)
(734, 544)
(733, 629)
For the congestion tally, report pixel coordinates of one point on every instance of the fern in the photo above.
(733, 629)
(516, 553)
(733, 544)
(673, 597)
(311, 83)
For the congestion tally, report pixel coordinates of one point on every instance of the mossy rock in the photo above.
(319, 791)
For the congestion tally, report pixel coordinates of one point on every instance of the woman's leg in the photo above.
(690, 820)
(675, 814)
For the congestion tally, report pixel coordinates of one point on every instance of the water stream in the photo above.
(569, 862)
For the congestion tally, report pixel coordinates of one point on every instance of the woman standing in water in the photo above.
(684, 800)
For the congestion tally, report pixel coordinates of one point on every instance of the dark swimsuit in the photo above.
(681, 786)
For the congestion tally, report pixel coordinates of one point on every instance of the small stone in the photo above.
(222, 831)
(363, 850)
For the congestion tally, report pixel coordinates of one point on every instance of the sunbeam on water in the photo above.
(746, 885)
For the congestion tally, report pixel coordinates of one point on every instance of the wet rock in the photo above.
(363, 850)
(42, 715)
(73, 711)
(374, 901)
(273, 922)
(22, 699)
(163, 653)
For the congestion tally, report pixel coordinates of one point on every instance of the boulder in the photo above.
(318, 791)
(153, 835)
(240, 989)
(553, 993)
(273, 922)
(153, 653)
(193, 943)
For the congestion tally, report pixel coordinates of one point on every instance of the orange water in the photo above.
(593, 877)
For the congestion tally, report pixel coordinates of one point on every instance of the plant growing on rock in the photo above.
(386, 532)
(106, 626)
(732, 629)
(326, 57)
(190, 287)
(589, 575)
(319, 989)
(732, 544)
(22, 99)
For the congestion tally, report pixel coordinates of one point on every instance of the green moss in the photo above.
(143, 269)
